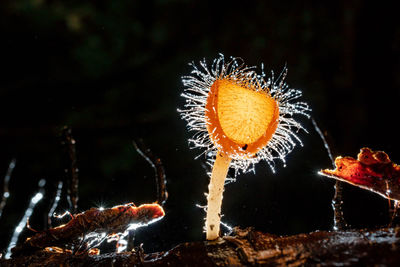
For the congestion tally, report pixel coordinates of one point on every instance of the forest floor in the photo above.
(247, 247)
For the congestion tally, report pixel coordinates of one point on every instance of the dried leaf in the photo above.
(372, 170)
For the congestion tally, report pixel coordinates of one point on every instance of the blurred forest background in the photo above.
(111, 71)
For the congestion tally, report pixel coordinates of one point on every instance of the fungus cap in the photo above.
(234, 110)
(240, 119)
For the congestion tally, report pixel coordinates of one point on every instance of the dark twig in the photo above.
(71, 169)
(57, 198)
(155, 162)
(28, 212)
(6, 192)
(130, 241)
(140, 254)
(339, 222)
(337, 205)
(395, 213)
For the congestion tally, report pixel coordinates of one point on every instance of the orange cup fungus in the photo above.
(240, 119)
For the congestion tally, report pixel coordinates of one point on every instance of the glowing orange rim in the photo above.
(221, 140)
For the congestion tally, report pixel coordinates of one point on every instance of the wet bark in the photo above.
(250, 248)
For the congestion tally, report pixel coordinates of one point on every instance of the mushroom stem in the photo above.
(214, 198)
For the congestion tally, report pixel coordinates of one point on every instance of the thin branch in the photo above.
(339, 222)
(155, 162)
(57, 198)
(28, 212)
(395, 213)
(71, 169)
(6, 192)
(130, 239)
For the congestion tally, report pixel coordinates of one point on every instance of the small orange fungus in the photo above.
(239, 118)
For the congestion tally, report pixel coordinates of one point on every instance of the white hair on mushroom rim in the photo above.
(197, 88)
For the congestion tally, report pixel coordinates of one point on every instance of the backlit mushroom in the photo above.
(239, 118)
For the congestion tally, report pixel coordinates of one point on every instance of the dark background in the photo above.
(111, 71)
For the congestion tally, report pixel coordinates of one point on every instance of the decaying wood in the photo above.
(372, 170)
(250, 248)
(107, 221)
